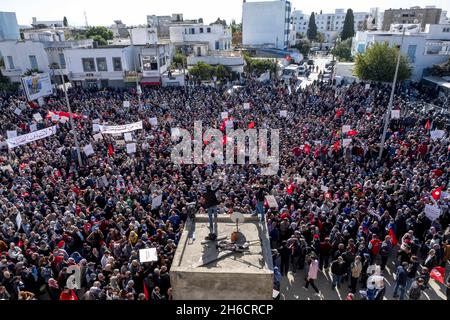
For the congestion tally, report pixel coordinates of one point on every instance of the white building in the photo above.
(332, 24)
(232, 59)
(48, 23)
(9, 28)
(161, 24)
(143, 36)
(44, 35)
(217, 36)
(20, 56)
(424, 49)
(266, 23)
(98, 67)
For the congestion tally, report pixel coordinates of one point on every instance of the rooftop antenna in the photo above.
(85, 19)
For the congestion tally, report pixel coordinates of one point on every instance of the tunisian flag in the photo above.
(110, 150)
(307, 148)
(437, 274)
(393, 237)
(337, 145)
(436, 194)
(428, 125)
(352, 133)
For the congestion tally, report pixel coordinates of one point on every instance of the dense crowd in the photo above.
(56, 213)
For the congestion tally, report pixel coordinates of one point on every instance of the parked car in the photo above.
(301, 69)
(290, 71)
(310, 62)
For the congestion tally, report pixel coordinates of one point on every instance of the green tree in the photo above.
(320, 38)
(259, 66)
(179, 60)
(348, 30)
(65, 23)
(99, 33)
(236, 32)
(202, 71)
(342, 50)
(223, 72)
(303, 46)
(312, 28)
(378, 64)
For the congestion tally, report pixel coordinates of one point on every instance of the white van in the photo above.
(290, 71)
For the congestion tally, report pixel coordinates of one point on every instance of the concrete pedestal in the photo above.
(205, 272)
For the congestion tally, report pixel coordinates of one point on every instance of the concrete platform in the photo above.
(205, 272)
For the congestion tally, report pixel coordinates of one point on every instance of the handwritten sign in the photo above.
(131, 148)
(432, 212)
(283, 113)
(395, 114)
(88, 150)
(148, 255)
(30, 137)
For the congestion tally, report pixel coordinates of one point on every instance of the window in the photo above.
(88, 64)
(101, 64)
(33, 62)
(201, 30)
(446, 30)
(149, 63)
(217, 45)
(192, 31)
(208, 30)
(10, 62)
(62, 60)
(117, 64)
(412, 53)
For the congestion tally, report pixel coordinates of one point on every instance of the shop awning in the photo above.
(151, 81)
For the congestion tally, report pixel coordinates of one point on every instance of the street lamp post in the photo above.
(72, 126)
(138, 90)
(391, 99)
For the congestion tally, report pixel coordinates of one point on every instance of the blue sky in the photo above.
(132, 12)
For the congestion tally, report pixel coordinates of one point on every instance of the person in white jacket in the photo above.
(312, 274)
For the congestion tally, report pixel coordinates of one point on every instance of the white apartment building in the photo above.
(423, 48)
(20, 56)
(332, 24)
(143, 36)
(216, 36)
(232, 59)
(47, 23)
(98, 67)
(266, 23)
(9, 28)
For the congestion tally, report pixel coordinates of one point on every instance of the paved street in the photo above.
(292, 287)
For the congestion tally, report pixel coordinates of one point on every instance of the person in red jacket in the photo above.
(68, 294)
(374, 246)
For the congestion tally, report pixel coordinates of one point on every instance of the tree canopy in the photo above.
(205, 71)
(303, 46)
(441, 70)
(342, 50)
(99, 34)
(348, 30)
(312, 28)
(378, 64)
(65, 23)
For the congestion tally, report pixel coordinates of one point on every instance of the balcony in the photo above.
(11, 72)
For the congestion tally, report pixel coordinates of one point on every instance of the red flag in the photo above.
(352, 133)
(436, 194)
(290, 189)
(307, 148)
(337, 145)
(437, 274)
(428, 125)
(224, 140)
(327, 195)
(339, 113)
(147, 296)
(251, 125)
(33, 105)
(110, 150)
(393, 237)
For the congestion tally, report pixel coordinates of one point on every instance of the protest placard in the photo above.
(88, 150)
(131, 148)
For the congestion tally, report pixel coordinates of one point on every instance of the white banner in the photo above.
(121, 129)
(30, 137)
(127, 136)
(88, 150)
(432, 212)
(37, 117)
(131, 148)
(395, 114)
(148, 255)
(271, 201)
(11, 134)
(437, 134)
(345, 129)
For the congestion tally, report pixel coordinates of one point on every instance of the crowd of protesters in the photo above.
(56, 213)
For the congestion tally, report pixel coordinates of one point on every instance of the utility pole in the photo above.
(391, 99)
(138, 88)
(72, 126)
